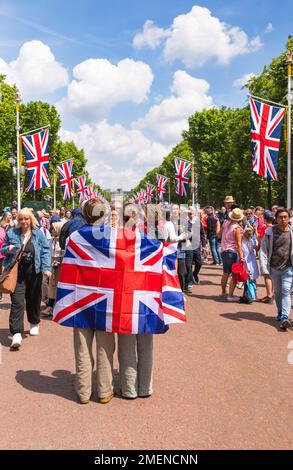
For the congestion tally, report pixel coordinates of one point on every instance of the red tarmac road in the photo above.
(223, 381)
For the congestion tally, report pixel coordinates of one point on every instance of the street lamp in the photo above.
(11, 161)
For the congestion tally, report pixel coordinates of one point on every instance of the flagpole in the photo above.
(73, 194)
(192, 183)
(17, 128)
(35, 130)
(54, 192)
(195, 183)
(267, 101)
(289, 59)
(169, 190)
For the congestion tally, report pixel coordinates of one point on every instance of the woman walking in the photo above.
(57, 256)
(34, 262)
(94, 214)
(231, 234)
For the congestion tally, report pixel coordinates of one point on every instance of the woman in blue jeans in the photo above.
(276, 259)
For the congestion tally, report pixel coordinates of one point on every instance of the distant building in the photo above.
(118, 195)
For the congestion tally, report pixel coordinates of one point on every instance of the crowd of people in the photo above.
(255, 242)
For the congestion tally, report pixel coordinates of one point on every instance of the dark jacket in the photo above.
(71, 226)
(211, 226)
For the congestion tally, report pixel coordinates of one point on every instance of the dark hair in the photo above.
(93, 210)
(168, 216)
(280, 210)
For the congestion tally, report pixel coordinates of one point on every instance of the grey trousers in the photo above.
(84, 360)
(135, 354)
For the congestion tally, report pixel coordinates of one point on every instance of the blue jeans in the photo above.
(283, 283)
(215, 249)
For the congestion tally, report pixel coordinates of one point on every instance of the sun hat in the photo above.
(229, 199)
(236, 215)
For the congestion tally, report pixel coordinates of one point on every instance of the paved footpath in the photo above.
(223, 381)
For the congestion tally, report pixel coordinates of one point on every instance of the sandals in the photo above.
(267, 300)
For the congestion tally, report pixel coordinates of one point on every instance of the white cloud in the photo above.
(151, 36)
(240, 82)
(168, 119)
(99, 85)
(35, 71)
(196, 37)
(269, 28)
(116, 156)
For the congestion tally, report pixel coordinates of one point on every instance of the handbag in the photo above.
(249, 294)
(8, 278)
(239, 273)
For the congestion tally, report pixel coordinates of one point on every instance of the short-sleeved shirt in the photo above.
(281, 255)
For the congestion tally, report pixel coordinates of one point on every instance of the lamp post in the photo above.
(11, 161)
(17, 128)
(289, 60)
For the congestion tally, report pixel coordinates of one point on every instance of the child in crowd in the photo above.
(249, 248)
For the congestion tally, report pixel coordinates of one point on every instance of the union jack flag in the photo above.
(266, 126)
(149, 193)
(162, 182)
(182, 172)
(142, 197)
(36, 149)
(92, 193)
(81, 188)
(65, 171)
(118, 280)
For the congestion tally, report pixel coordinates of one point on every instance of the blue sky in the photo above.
(125, 75)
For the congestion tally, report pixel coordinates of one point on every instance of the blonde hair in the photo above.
(4, 221)
(27, 212)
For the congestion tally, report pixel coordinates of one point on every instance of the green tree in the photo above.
(33, 115)
(7, 135)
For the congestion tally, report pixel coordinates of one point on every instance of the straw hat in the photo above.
(229, 199)
(236, 215)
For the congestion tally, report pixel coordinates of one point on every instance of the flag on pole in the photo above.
(65, 172)
(149, 193)
(36, 150)
(162, 182)
(81, 188)
(266, 127)
(142, 197)
(92, 193)
(119, 281)
(182, 174)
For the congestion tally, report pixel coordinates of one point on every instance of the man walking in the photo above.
(276, 259)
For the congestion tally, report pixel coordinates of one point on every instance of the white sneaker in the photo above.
(16, 341)
(35, 330)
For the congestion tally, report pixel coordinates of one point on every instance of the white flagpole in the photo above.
(54, 192)
(289, 58)
(17, 128)
(73, 194)
(35, 130)
(192, 183)
(267, 101)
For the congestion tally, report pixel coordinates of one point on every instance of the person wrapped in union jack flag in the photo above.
(116, 280)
